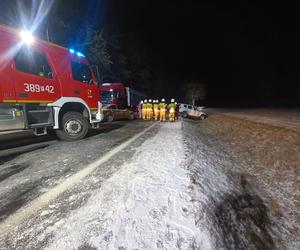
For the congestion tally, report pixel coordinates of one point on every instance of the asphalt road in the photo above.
(31, 165)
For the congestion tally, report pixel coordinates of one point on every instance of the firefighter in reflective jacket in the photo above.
(172, 107)
(149, 110)
(162, 110)
(156, 109)
(144, 109)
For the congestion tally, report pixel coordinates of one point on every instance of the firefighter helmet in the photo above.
(150, 100)
(145, 101)
(163, 100)
(142, 102)
(172, 100)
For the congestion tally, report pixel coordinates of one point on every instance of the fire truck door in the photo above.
(34, 79)
(84, 84)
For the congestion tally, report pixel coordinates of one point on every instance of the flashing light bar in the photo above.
(79, 54)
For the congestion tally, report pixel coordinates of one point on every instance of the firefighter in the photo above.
(144, 109)
(149, 110)
(172, 107)
(162, 110)
(156, 110)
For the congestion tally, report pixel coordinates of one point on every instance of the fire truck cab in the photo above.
(44, 86)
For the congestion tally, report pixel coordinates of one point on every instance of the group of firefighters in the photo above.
(155, 110)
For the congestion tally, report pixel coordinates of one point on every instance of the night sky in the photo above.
(245, 52)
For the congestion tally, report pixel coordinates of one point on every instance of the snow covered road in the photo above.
(182, 185)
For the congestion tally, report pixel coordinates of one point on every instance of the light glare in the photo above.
(27, 37)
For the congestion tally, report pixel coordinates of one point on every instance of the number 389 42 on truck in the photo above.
(44, 86)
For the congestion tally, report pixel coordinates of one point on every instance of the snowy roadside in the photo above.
(255, 204)
(145, 206)
(286, 118)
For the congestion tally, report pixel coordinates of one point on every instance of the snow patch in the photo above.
(145, 205)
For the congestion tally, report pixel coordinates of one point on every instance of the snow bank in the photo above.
(146, 205)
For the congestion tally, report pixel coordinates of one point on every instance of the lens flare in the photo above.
(27, 37)
(38, 13)
(30, 21)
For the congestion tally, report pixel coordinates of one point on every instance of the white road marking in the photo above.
(32, 207)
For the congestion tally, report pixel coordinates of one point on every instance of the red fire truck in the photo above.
(116, 93)
(44, 86)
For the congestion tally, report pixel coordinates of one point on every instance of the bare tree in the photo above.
(195, 91)
(99, 49)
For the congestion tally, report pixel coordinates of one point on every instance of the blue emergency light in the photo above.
(79, 54)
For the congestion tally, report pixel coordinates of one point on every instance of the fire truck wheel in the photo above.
(74, 127)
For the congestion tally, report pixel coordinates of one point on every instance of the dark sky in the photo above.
(246, 52)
